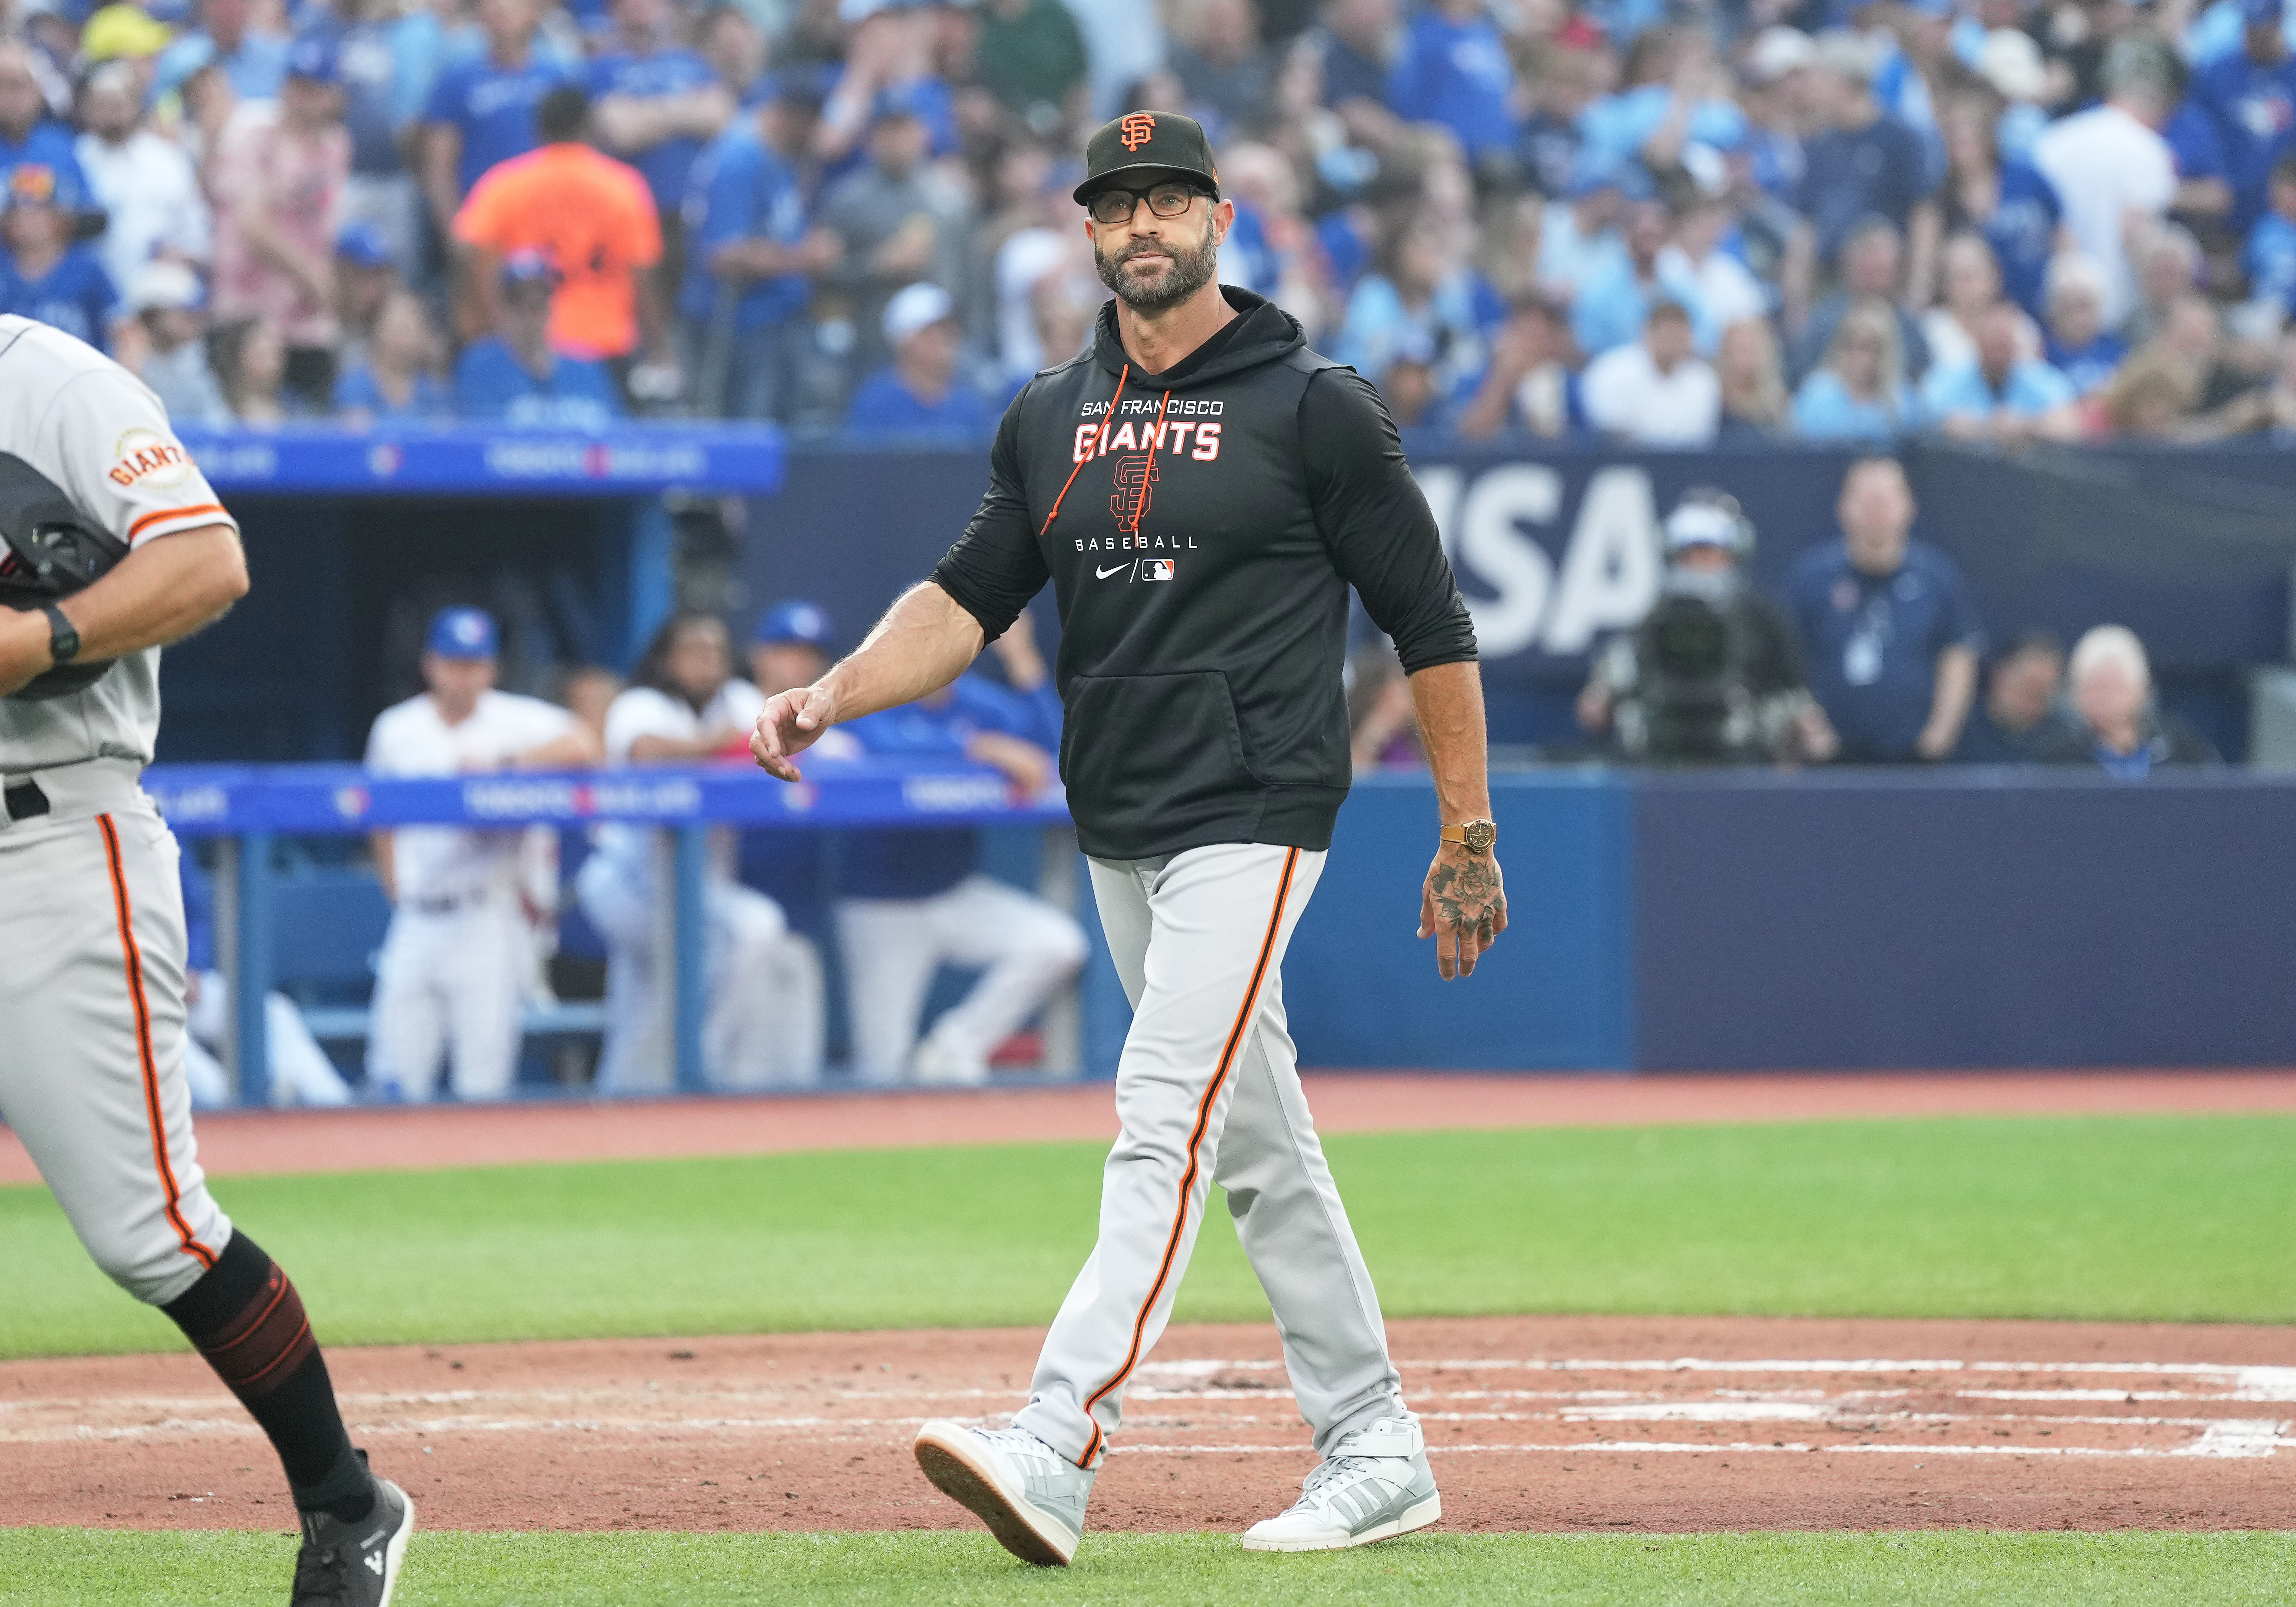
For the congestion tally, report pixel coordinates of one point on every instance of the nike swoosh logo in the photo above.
(1104, 574)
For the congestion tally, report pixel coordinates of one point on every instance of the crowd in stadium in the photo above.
(1672, 225)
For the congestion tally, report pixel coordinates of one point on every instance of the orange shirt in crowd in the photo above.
(595, 218)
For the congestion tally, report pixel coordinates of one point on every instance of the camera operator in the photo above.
(1712, 674)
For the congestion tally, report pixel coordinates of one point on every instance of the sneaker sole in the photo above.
(1413, 1518)
(972, 1483)
(394, 1553)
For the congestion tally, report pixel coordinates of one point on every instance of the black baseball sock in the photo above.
(246, 1318)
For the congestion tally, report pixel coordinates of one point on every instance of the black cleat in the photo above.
(354, 1564)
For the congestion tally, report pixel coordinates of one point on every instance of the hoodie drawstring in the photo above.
(1099, 440)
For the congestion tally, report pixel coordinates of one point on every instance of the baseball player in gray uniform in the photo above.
(114, 546)
(1203, 491)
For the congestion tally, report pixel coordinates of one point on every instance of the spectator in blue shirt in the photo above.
(1870, 261)
(1859, 392)
(654, 103)
(2270, 256)
(1420, 300)
(1862, 163)
(918, 393)
(398, 382)
(2006, 202)
(2203, 195)
(752, 256)
(482, 112)
(914, 900)
(1453, 69)
(1892, 638)
(1355, 44)
(45, 276)
(513, 377)
(253, 60)
(27, 134)
(2251, 97)
(1999, 396)
(1611, 308)
(2079, 345)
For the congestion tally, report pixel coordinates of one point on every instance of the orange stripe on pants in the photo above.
(149, 1066)
(1195, 1150)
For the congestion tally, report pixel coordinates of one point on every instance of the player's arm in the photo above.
(160, 592)
(922, 643)
(938, 626)
(1383, 540)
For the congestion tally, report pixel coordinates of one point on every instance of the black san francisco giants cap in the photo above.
(1140, 143)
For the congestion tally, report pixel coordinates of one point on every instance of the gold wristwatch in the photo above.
(1476, 836)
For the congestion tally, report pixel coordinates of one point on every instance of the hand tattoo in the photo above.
(1468, 895)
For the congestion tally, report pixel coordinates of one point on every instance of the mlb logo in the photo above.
(1156, 568)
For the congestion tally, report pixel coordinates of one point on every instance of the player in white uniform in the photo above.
(764, 1026)
(458, 965)
(92, 921)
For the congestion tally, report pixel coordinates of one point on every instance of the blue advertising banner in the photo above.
(474, 461)
(1556, 548)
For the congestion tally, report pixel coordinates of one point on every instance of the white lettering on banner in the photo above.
(1611, 572)
(596, 460)
(650, 797)
(537, 460)
(953, 795)
(193, 803)
(506, 799)
(1610, 566)
(248, 460)
(1516, 566)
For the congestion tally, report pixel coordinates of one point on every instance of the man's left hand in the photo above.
(1462, 908)
(23, 649)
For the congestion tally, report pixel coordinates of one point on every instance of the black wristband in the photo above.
(63, 640)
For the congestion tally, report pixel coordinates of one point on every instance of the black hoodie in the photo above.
(1202, 534)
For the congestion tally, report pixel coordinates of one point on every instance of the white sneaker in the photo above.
(1031, 1496)
(937, 1064)
(1375, 1484)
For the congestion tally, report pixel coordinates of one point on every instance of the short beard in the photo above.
(1190, 272)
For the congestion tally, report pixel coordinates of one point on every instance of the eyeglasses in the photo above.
(1167, 199)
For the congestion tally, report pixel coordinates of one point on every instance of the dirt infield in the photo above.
(237, 1142)
(1658, 1424)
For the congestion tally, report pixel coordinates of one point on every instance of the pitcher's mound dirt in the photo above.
(1534, 1423)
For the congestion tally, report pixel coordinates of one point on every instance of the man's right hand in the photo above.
(791, 722)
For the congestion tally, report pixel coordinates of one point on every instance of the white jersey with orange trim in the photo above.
(93, 995)
(100, 436)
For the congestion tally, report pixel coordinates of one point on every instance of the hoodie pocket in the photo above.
(1132, 742)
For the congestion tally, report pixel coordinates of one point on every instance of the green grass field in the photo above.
(2175, 1218)
(52, 1568)
(2163, 1217)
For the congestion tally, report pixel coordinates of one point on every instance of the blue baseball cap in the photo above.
(805, 623)
(362, 244)
(462, 632)
(312, 57)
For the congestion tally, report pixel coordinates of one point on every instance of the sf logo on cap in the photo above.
(1136, 129)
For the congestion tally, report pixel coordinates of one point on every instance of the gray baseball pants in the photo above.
(92, 1027)
(1208, 1088)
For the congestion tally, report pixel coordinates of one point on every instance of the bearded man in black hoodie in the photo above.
(1201, 490)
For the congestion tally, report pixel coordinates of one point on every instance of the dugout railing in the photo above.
(246, 810)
